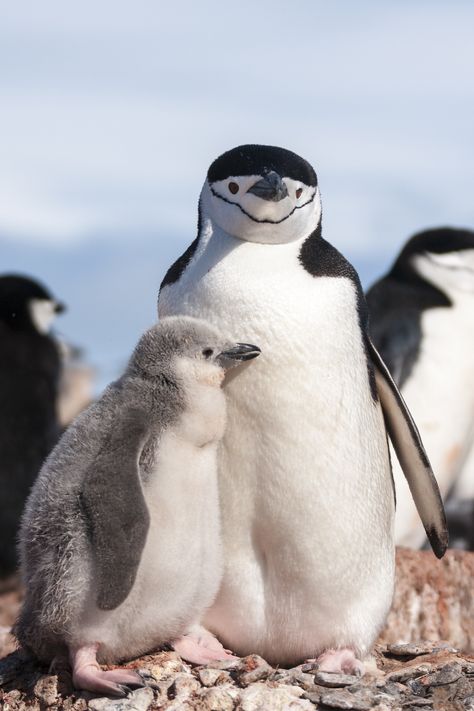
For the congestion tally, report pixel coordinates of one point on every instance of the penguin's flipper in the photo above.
(116, 512)
(412, 456)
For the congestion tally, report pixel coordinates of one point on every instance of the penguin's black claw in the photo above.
(124, 690)
(148, 678)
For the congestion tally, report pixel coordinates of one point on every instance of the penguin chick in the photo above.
(422, 322)
(120, 540)
(30, 368)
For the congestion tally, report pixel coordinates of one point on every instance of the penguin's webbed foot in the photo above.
(199, 646)
(88, 676)
(340, 661)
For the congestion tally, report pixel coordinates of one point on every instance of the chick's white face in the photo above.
(449, 271)
(246, 207)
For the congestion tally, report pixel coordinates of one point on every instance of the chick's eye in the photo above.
(207, 352)
(299, 192)
(233, 187)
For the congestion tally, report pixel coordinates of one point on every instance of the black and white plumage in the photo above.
(422, 322)
(30, 369)
(120, 540)
(306, 489)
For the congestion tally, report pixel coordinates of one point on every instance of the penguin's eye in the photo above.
(299, 192)
(233, 187)
(207, 352)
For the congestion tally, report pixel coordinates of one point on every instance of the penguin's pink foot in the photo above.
(201, 647)
(87, 674)
(340, 661)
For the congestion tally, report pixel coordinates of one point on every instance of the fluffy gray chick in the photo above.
(120, 539)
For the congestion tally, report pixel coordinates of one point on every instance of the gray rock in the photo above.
(260, 697)
(468, 703)
(447, 674)
(251, 669)
(138, 700)
(166, 665)
(362, 700)
(294, 677)
(416, 702)
(334, 680)
(415, 649)
(410, 672)
(226, 664)
(46, 690)
(219, 698)
(72, 704)
(183, 687)
(213, 677)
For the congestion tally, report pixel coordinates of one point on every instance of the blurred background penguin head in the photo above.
(27, 305)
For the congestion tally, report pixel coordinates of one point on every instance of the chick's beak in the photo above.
(238, 353)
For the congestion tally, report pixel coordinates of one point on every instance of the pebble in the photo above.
(219, 698)
(447, 674)
(344, 699)
(415, 649)
(46, 690)
(183, 686)
(251, 669)
(410, 672)
(414, 701)
(166, 665)
(213, 677)
(294, 677)
(334, 680)
(259, 697)
(226, 664)
(138, 700)
(468, 703)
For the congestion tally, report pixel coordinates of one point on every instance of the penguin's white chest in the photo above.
(306, 495)
(440, 395)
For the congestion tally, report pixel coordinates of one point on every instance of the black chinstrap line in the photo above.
(269, 222)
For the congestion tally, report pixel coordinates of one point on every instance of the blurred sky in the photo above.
(111, 111)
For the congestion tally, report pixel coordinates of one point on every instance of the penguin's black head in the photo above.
(25, 304)
(262, 194)
(444, 257)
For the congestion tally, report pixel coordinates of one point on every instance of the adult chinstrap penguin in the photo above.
(422, 322)
(305, 478)
(30, 369)
(120, 540)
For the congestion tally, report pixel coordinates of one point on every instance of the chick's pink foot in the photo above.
(87, 674)
(200, 647)
(340, 661)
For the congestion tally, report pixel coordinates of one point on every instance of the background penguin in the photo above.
(305, 479)
(120, 542)
(422, 322)
(30, 369)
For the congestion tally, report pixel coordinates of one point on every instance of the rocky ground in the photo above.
(409, 677)
(433, 599)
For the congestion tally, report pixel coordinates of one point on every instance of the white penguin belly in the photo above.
(181, 564)
(306, 492)
(440, 395)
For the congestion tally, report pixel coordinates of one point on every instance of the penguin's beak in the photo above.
(59, 308)
(270, 187)
(237, 354)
